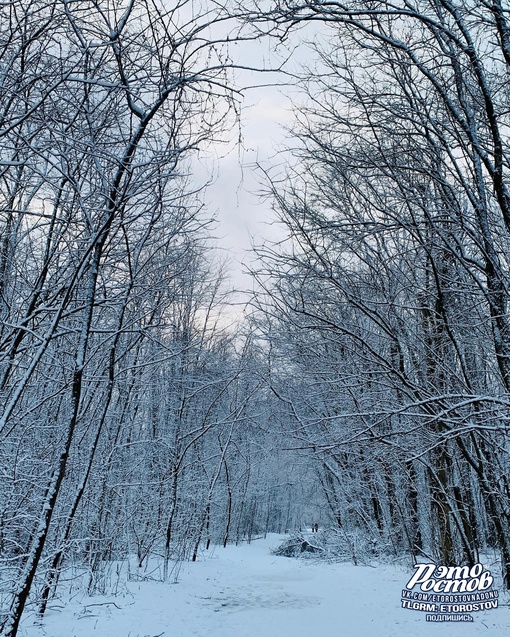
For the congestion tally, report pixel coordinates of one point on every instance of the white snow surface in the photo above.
(245, 591)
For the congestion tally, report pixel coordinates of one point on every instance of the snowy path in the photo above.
(247, 592)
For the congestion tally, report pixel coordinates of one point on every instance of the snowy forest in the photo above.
(367, 385)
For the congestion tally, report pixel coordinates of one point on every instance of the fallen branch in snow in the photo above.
(106, 604)
(295, 546)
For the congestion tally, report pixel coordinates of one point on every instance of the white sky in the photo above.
(234, 196)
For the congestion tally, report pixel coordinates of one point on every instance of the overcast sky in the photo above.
(234, 196)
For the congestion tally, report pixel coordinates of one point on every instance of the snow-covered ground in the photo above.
(245, 591)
